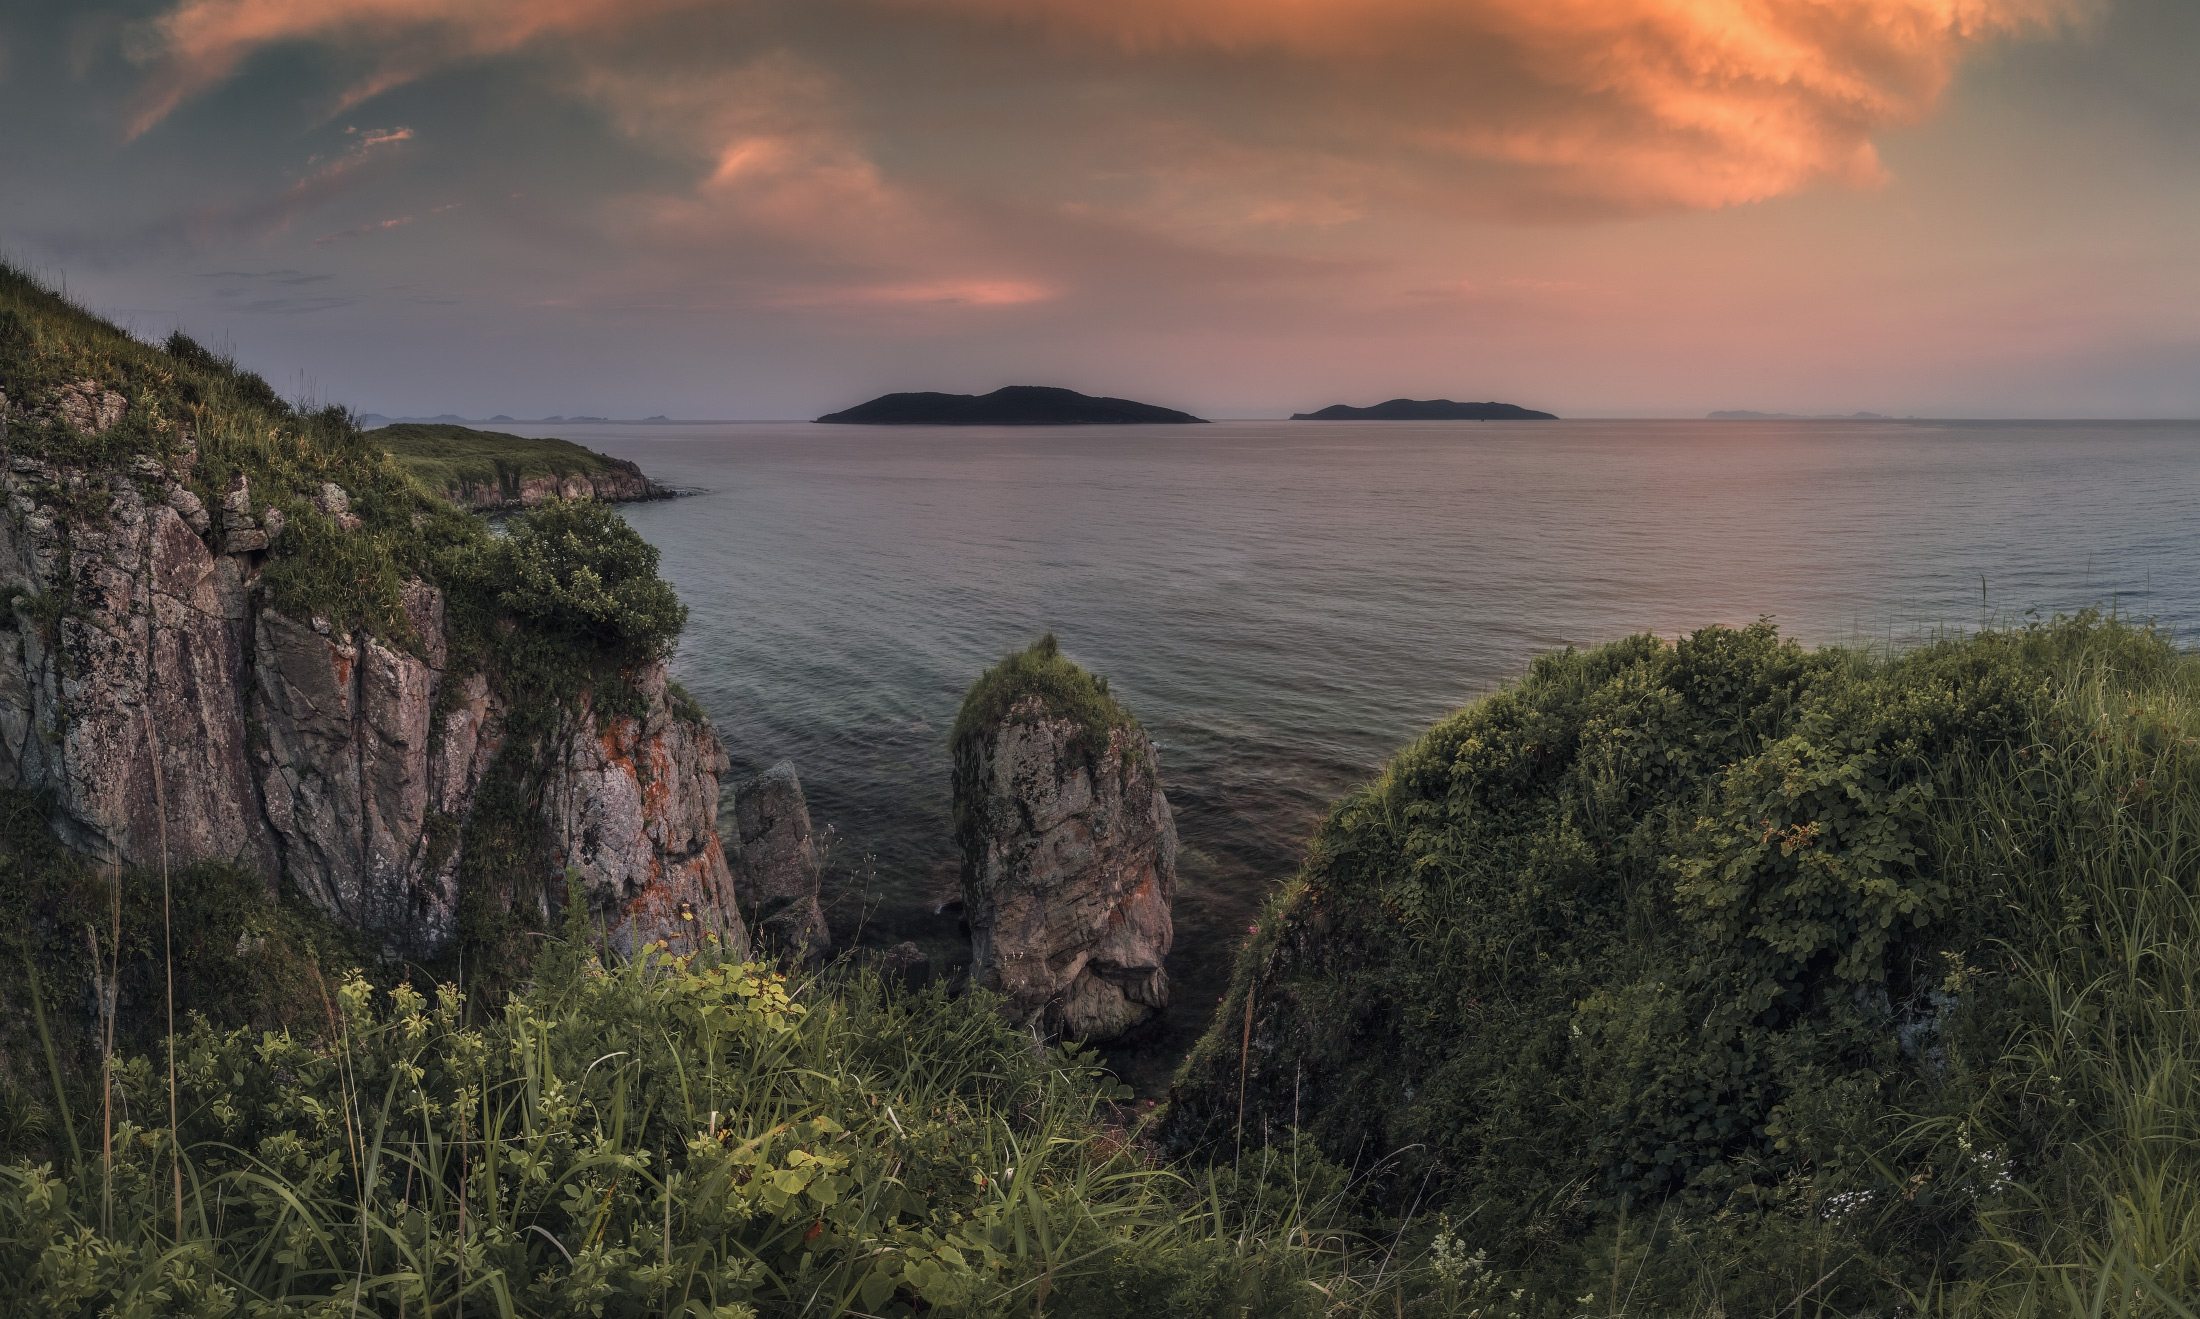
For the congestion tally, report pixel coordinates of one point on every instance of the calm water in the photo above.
(1284, 604)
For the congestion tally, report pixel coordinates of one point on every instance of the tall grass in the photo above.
(675, 1135)
(2093, 831)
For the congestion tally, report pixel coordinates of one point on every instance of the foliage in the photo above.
(1783, 942)
(680, 1134)
(575, 569)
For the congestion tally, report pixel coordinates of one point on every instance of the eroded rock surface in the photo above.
(633, 805)
(1069, 869)
(776, 864)
(136, 651)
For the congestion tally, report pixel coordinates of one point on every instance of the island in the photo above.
(490, 470)
(1432, 409)
(1014, 405)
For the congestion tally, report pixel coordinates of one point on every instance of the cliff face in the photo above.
(623, 482)
(147, 685)
(1069, 869)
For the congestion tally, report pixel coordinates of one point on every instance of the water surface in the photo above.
(1284, 604)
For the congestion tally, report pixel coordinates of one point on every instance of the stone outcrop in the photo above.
(632, 804)
(776, 866)
(136, 651)
(122, 672)
(622, 481)
(1069, 869)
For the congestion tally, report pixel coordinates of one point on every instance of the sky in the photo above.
(776, 208)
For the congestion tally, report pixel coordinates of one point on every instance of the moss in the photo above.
(451, 458)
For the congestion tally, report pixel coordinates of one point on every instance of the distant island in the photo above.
(1432, 409)
(1014, 405)
(1744, 414)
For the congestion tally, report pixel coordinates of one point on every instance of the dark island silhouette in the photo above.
(1431, 409)
(1015, 405)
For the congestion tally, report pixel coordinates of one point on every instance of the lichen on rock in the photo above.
(1068, 849)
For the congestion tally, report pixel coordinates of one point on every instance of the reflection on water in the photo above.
(1284, 604)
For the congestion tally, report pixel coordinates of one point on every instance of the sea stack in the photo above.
(1068, 848)
(775, 865)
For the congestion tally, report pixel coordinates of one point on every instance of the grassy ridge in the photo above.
(1730, 977)
(452, 458)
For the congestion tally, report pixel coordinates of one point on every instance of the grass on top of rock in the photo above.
(449, 458)
(566, 603)
(1065, 690)
(1728, 976)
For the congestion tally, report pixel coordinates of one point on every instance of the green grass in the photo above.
(674, 1135)
(450, 458)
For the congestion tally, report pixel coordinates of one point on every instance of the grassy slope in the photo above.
(1734, 977)
(445, 457)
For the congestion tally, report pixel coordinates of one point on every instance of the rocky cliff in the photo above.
(1068, 847)
(624, 483)
(274, 681)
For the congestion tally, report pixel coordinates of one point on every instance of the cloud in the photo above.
(363, 231)
(1252, 114)
(200, 43)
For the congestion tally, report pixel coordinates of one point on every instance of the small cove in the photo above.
(1284, 604)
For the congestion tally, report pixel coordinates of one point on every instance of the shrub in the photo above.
(575, 568)
(1772, 943)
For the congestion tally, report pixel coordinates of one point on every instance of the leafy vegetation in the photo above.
(680, 1134)
(454, 460)
(1730, 977)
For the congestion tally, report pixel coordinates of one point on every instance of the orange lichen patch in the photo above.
(656, 786)
(342, 664)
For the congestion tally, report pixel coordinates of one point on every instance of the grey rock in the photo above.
(87, 408)
(1069, 870)
(776, 867)
(332, 499)
(129, 715)
(238, 497)
(273, 520)
(633, 806)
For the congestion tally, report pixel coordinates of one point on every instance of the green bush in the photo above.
(1726, 974)
(575, 568)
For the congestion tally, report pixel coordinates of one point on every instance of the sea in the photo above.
(1285, 604)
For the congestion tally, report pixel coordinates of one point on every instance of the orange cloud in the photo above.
(1597, 105)
(1698, 103)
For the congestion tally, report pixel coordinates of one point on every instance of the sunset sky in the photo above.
(773, 208)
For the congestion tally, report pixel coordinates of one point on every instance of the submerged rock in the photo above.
(1068, 849)
(776, 865)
